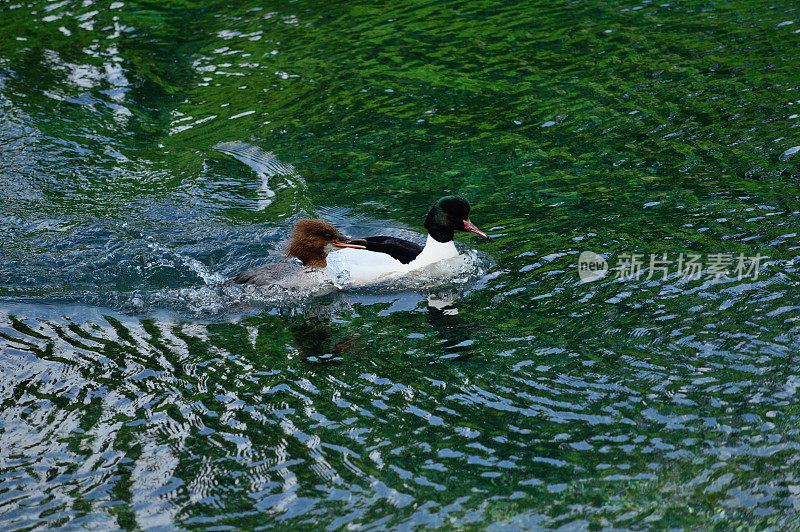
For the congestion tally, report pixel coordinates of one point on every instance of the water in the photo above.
(138, 394)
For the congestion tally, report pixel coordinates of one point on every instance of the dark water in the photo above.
(137, 394)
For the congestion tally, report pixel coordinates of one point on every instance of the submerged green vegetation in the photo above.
(135, 395)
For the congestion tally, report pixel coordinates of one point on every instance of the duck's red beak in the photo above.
(356, 243)
(469, 226)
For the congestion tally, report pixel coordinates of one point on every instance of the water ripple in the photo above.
(136, 392)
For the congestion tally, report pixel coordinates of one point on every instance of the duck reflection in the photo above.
(321, 341)
(316, 338)
(443, 317)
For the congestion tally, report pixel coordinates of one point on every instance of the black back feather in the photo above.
(397, 248)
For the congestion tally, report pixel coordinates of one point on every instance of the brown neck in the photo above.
(308, 255)
(316, 260)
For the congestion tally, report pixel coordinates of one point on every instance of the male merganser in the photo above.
(384, 257)
(311, 242)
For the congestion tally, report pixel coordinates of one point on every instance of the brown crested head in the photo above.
(312, 240)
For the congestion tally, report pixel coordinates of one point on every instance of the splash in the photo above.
(446, 279)
(193, 265)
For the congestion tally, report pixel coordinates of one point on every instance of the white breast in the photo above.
(434, 251)
(357, 267)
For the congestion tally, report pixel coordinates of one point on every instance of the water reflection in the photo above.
(317, 338)
(320, 338)
(455, 334)
(541, 402)
(281, 410)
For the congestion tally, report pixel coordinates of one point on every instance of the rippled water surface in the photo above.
(150, 150)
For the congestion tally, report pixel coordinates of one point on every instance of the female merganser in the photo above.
(311, 242)
(384, 257)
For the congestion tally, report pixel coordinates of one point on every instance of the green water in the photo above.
(136, 393)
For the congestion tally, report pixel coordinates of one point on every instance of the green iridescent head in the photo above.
(450, 214)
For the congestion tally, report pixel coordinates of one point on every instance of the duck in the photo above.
(362, 261)
(379, 258)
(310, 243)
